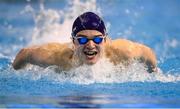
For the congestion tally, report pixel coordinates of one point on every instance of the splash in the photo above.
(55, 25)
(101, 72)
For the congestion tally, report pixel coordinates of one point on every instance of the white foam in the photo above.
(49, 29)
(55, 25)
(101, 72)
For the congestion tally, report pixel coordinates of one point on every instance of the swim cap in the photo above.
(88, 21)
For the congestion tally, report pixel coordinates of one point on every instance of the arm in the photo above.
(122, 51)
(45, 55)
(148, 57)
(22, 58)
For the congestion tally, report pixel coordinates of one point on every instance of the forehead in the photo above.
(89, 33)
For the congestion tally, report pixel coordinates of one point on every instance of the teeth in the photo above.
(90, 52)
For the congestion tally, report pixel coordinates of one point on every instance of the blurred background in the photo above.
(29, 22)
(154, 23)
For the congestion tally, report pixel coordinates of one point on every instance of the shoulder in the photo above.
(59, 54)
(121, 43)
(133, 48)
(58, 50)
(118, 50)
(52, 51)
(50, 47)
(54, 46)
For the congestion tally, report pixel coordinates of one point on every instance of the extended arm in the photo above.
(45, 55)
(147, 56)
(121, 51)
(22, 58)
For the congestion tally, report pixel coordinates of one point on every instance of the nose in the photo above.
(90, 44)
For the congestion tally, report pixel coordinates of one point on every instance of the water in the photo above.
(155, 24)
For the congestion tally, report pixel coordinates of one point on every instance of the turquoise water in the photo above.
(153, 23)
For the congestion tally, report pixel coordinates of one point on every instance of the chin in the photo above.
(91, 62)
(90, 59)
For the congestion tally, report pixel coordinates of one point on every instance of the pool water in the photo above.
(153, 23)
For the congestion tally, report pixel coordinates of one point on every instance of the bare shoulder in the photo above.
(122, 50)
(134, 49)
(51, 46)
(121, 42)
(124, 44)
(44, 55)
(118, 50)
(54, 53)
(46, 51)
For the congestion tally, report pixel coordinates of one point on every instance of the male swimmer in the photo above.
(90, 43)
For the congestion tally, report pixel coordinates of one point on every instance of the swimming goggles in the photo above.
(83, 39)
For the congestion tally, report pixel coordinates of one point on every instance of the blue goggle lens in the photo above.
(84, 40)
(97, 40)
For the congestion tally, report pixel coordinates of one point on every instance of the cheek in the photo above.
(100, 48)
(101, 51)
(77, 46)
(79, 50)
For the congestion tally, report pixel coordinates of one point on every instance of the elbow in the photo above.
(21, 59)
(18, 64)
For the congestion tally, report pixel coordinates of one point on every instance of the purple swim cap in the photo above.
(88, 21)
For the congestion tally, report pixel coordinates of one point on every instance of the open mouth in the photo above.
(90, 54)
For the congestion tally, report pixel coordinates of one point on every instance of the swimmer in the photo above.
(89, 43)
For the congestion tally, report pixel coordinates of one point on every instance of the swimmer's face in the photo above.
(90, 52)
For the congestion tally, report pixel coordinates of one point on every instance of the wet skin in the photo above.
(117, 51)
(90, 52)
